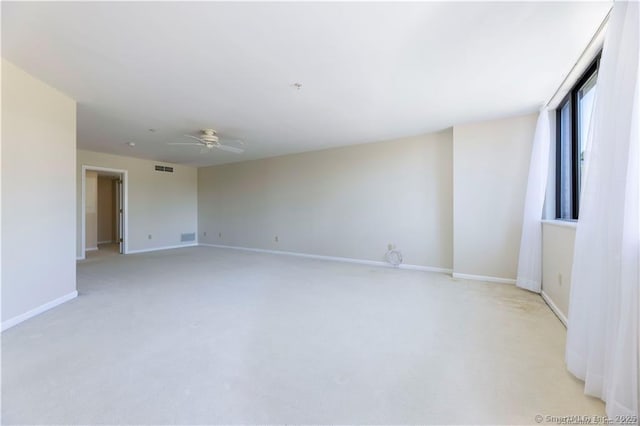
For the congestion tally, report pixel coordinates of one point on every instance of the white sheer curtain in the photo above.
(530, 258)
(602, 337)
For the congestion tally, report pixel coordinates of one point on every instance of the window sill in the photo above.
(562, 223)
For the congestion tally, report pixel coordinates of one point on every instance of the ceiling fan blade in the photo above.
(230, 148)
(228, 141)
(193, 137)
(183, 143)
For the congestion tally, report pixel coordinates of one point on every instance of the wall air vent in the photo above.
(191, 236)
(164, 169)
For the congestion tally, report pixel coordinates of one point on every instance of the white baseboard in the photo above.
(162, 248)
(483, 278)
(80, 258)
(106, 242)
(36, 311)
(423, 268)
(554, 308)
(334, 258)
(91, 249)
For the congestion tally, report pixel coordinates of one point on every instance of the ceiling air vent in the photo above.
(164, 169)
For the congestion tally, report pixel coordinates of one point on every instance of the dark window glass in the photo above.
(565, 158)
(573, 120)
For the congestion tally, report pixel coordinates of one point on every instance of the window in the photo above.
(573, 118)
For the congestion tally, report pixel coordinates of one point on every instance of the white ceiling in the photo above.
(370, 71)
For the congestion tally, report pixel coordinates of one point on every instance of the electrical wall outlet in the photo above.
(219, 234)
(276, 239)
(205, 233)
(149, 236)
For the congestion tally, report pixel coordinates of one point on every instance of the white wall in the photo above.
(347, 202)
(91, 211)
(38, 198)
(558, 241)
(490, 168)
(161, 204)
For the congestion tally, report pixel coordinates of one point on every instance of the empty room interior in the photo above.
(320, 212)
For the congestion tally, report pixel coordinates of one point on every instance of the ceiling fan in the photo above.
(209, 139)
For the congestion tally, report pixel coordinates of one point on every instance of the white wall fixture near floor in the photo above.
(38, 158)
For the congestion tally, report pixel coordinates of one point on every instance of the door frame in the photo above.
(125, 206)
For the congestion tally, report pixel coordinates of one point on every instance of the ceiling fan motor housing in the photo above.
(209, 136)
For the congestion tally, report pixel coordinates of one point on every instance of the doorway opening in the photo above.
(104, 212)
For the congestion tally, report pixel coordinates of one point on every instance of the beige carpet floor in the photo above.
(106, 249)
(203, 335)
